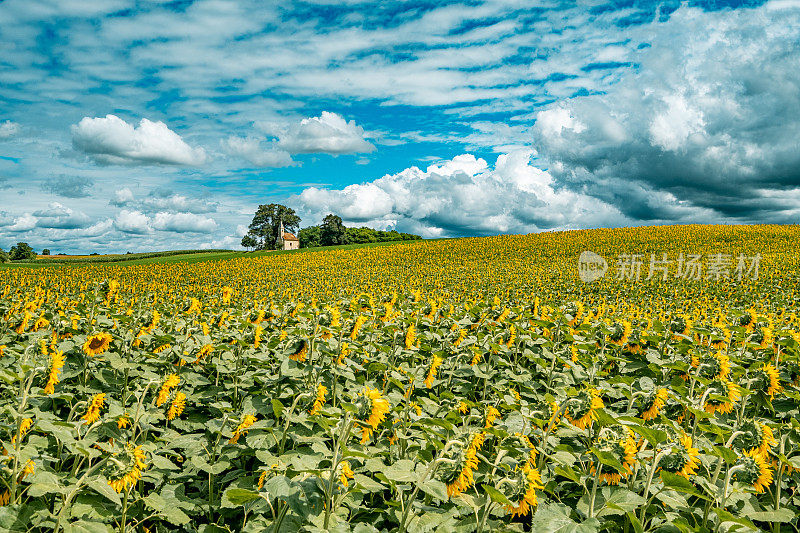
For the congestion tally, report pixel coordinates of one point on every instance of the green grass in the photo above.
(182, 256)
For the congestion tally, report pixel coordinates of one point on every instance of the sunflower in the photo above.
(756, 472)
(620, 332)
(588, 402)
(491, 415)
(93, 411)
(347, 473)
(432, 369)
(748, 320)
(575, 312)
(124, 471)
(755, 437)
(241, 429)
(767, 380)
(96, 344)
(177, 406)
(24, 427)
(716, 366)
(459, 476)
(152, 323)
(410, 336)
(300, 352)
(618, 442)
(654, 403)
(724, 388)
(170, 382)
(204, 351)
(227, 292)
(372, 410)
(319, 401)
(682, 459)
(357, 327)
(56, 364)
(123, 421)
(523, 494)
(463, 408)
(373, 407)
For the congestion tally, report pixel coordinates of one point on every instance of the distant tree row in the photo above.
(262, 233)
(332, 232)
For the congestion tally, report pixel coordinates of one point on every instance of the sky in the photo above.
(151, 125)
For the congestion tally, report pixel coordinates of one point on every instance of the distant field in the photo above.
(175, 256)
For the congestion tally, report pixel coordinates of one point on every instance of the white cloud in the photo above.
(134, 222)
(459, 197)
(184, 223)
(708, 118)
(111, 140)
(25, 222)
(251, 149)
(122, 197)
(58, 216)
(328, 133)
(8, 129)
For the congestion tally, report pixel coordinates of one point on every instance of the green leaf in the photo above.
(653, 436)
(681, 484)
(727, 455)
(101, 485)
(637, 525)
(85, 526)
(496, 495)
(277, 408)
(234, 497)
(608, 459)
(781, 515)
(725, 516)
(401, 472)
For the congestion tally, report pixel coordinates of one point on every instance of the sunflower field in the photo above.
(449, 385)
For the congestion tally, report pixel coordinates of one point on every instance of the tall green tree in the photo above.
(309, 237)
(249, 242)
(332, 231)
(266, 221)
(22, 252)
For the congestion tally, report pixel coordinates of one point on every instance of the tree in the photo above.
(249, 242)
(332, 231)
(266, 221)
(3, 256)
(309, 237)
(46, 251)
(21, 252)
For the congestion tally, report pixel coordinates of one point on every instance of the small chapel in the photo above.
(286, 240)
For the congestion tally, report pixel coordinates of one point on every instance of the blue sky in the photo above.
(129, 126)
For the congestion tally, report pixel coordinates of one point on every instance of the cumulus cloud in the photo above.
(462, 196)
(8, 129)
(328, 133)
(162, 200)
(133, 222)
(59, 216)
(111, 140)
(69, 186)
(710, 118)
(24, 222)
(184, 223)
(251, 149)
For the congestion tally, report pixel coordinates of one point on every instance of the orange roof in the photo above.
(289, 237)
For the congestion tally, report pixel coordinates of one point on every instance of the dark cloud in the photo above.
(710, 119)
(69, 186)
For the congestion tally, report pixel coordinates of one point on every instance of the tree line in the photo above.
(262, 233)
